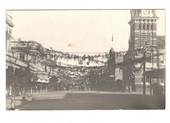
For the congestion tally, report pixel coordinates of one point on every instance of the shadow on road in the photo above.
(96, 101)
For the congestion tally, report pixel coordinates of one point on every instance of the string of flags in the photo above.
(22, 46)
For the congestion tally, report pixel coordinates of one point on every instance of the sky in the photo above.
(78, 30)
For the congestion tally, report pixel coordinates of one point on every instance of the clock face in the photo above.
(146, 13)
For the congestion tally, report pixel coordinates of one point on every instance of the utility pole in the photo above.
(158, 67)
(144, 82)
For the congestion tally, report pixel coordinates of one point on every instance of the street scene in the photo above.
(85, 59)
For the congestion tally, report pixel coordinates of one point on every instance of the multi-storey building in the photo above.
(9, 26)
(145, 47)
(26, 64)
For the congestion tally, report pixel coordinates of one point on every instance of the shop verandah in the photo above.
(156, 80)
(21, 77)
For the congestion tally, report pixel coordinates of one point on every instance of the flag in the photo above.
(112, 37)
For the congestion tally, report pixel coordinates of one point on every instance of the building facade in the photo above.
(146, 48)
(9, 26)
(143, 28)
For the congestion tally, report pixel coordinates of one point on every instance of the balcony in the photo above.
(14, 62)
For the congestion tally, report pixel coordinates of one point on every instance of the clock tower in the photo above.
(143, 30)
(143, 25)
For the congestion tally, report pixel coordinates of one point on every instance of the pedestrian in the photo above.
(12, 104)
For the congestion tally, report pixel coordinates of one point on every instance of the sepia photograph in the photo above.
(85, 59)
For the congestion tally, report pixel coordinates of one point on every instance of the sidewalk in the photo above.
(12, 102)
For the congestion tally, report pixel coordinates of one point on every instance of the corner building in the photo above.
(143, 35)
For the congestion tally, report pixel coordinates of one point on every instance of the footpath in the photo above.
(13, 102)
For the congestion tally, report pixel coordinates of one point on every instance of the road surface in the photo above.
(91, 101)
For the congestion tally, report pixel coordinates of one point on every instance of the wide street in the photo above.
(91, 100)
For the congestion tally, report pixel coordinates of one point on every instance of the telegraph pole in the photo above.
(144, 82)
(158, 67)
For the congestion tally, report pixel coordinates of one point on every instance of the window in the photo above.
(22, 56)
(140, 26)
(143, 26)
(33, 59)
(147, 26)
(152, 26)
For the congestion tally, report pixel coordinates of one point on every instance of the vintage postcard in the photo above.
(85, 59)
